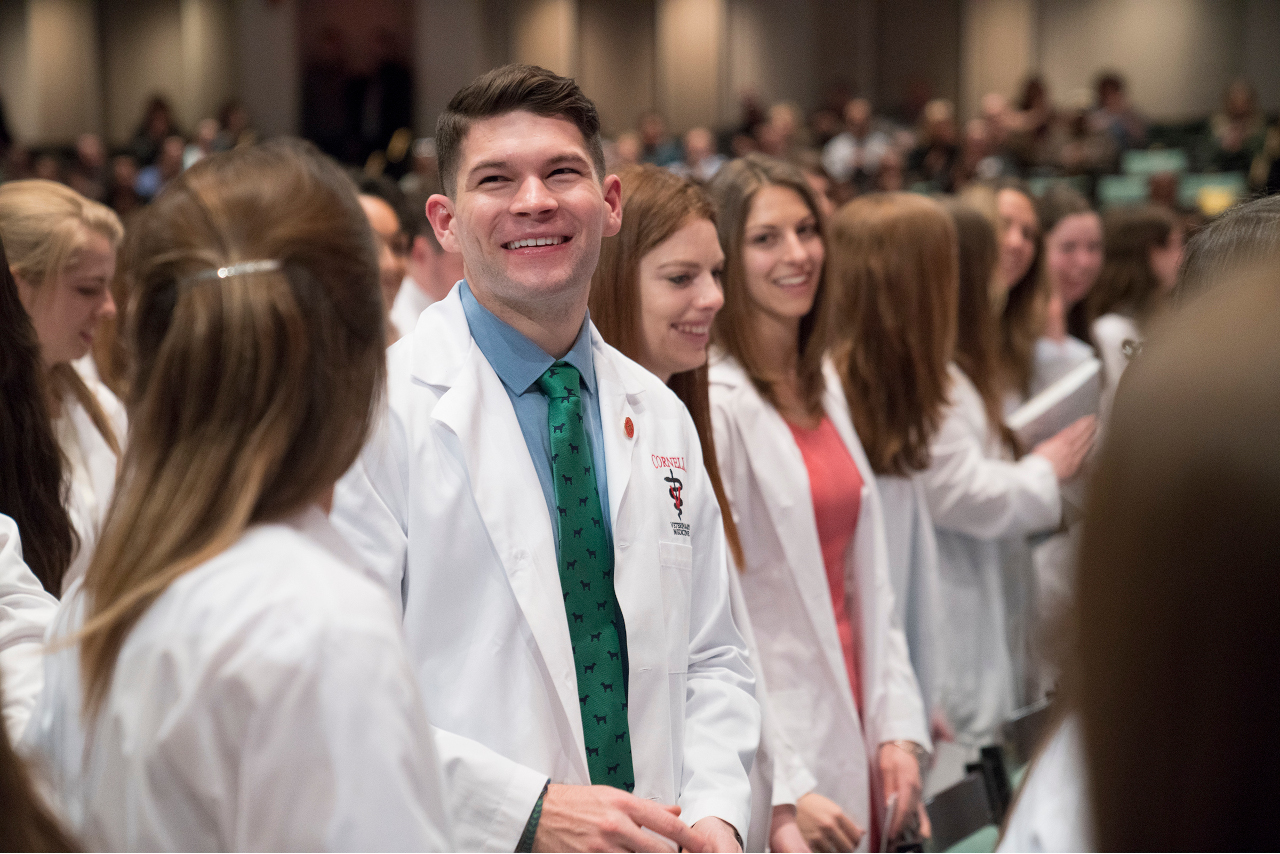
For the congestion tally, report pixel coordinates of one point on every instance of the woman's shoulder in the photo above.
(290, 583)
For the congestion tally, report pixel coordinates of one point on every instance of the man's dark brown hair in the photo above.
(505, 90)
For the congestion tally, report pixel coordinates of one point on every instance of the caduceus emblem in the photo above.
(674, 492)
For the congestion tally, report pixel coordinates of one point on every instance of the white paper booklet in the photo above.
(1074, 396)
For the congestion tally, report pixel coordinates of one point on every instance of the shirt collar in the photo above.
(517, 360)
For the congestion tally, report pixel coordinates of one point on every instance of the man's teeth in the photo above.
(535, 241)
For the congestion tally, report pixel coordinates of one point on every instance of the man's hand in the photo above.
(824, 826)
(901, 774)
(602, 818)
(716, 835)
(784, 833)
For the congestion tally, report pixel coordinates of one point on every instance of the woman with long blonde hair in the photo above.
(226, 677)
(62, 254)
(654, 295)
(815, 573)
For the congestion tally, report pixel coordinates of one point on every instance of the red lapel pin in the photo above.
(630, 428)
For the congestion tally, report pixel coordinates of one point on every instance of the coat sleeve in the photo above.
(369, 508)
(722, 718)
(26, 610)
(970, 493)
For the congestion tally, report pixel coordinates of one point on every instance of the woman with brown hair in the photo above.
(62, 254)
(984, 504)
(654, 295)
(892, 264)
(224, 645)
(1144, 249)
(31, 489)
(815, 572)
(1019, 292)
(1072, 259)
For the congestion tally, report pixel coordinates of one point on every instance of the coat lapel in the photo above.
(784, 483)
(505, 486)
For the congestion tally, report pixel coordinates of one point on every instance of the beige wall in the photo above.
(616, 61)
(998, 49)
(1177, 55)
(19, 99)
(545, 32)
(691, 61)
(772, 49)
(267, 63)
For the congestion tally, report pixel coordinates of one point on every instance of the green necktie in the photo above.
(586, 580)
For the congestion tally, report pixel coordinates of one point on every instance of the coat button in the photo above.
(630, 428)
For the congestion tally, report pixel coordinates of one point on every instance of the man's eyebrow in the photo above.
(558, 160)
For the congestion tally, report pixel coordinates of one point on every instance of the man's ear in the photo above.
(440, 215)
(612, 187)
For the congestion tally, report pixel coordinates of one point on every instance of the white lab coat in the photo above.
(785, 585)
(983, 507)
(779, 776)
(446, 505)
(264, 702)
(91, 469)
(410, 302)
(1052, 812)
(26, 611)
(913, 570)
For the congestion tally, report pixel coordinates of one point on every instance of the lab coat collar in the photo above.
(518, 361)
(782, 479)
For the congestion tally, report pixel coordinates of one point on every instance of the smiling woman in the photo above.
(62, 252)
(812, 527)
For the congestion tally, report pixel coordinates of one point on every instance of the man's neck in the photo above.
(553, 324)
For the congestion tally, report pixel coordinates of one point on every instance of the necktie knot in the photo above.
(560, 381)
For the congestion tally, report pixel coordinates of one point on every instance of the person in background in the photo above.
(228, 677)
(701, 160)
(1019, 291)
(1238, 130)
(657, 146)
(393, 248)
(157, 125)
(62, 253)
(853, 156)
(1144, 251)
(815, 574)
(1114, 115)
(31, 488)
(984, 504)
(654, 296)
(167, 166)
(892, 264)
(88, 172)
(935, 158)
(1072, 260)
(203, 144)
(430, 272)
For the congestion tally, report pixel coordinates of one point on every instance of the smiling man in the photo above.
(566, 607)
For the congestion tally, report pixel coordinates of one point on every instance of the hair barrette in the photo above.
(240, 269)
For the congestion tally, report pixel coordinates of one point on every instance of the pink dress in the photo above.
(836, 487)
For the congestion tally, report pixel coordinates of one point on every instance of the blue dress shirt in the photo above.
(519, 363)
